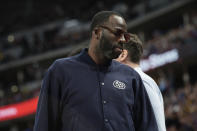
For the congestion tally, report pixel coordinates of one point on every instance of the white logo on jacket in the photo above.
(119, 85)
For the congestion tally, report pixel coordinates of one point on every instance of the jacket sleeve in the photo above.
(144, 118)
(48, 109)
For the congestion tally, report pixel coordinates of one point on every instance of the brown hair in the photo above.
(134, 48)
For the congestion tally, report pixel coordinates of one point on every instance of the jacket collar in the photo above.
(84, 57)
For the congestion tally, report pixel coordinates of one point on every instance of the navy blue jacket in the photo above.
(78, 95)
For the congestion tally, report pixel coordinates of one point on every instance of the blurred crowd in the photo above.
(175, 38)
(181, 109)
(21, 126)
(179, 99)
(26, 85)
(28, 14)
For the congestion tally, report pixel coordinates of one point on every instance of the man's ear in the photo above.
(122, 57)
(97, 33)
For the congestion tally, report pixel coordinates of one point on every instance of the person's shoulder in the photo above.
(69, 59)
(121, 66)
(144, 76)
(124, 68)
(63, 62)
(147, 79)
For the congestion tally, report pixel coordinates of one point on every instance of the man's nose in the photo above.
(122, 38)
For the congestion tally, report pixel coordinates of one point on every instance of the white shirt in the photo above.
(155, 97)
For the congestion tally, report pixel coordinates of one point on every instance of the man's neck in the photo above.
(96, 58)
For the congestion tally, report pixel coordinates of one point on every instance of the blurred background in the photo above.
(33, 33)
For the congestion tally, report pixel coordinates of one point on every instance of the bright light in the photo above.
(14, 88)
(157, 60)
(11, 38)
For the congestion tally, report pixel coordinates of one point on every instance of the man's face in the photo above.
(109, 48)
(113, 36)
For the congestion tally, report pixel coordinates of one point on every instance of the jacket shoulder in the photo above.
(125, 68)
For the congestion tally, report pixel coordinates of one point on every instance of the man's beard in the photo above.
(108, 49)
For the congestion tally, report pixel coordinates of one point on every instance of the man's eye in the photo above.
(119, 33)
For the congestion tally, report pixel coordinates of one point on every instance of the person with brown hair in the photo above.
(131, 55)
